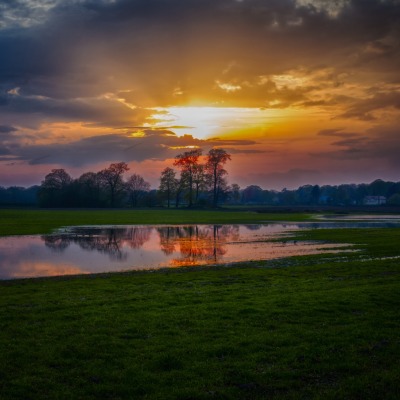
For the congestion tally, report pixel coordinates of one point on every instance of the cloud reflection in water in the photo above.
(106, 249)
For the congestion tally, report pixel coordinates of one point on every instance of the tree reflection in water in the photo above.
(193, 244)
(136, 237)
(253, 227)
(56, 243)
(108, 241)
(197, 245)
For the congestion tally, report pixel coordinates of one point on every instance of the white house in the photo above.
(374, 200)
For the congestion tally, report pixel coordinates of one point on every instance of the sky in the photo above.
(297, 91)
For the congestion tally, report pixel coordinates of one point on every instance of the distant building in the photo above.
(374, 200)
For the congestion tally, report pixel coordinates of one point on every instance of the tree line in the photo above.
(198, 181)
(335, 195)
(17, 195)
(105, 188)
(192, 183)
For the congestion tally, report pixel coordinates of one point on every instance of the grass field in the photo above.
(310, 327)
(25, 222)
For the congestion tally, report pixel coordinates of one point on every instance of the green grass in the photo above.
(378, 242)
(325, 327)
(25, 222)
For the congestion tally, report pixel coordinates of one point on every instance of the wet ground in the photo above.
(85, 250)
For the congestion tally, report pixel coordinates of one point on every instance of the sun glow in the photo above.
(208, 122)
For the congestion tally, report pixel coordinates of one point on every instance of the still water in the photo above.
(87, 250)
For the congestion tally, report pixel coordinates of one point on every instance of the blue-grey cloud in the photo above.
(380, 145)
(7, 129)
(154, 145)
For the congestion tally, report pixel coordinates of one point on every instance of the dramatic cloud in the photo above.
(76, 76)
(366, 108)
(145, 145)
(6, 131)
(379, 146)
(158, 53)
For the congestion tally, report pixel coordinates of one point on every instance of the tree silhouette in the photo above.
(216, 159)
(89, 189)
(57, 179)
(54, 191)
(199, 180)
(168, 184)
(235, 193)
(187, 162)
(112, 179)
(182, 183)
(136, 187)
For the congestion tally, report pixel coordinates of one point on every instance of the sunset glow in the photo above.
(303, 91)
(209, 122)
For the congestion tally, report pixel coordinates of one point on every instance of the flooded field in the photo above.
(86, 250)
(373, 218)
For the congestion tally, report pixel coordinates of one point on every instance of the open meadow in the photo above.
(199, 200)
(309, 327)
(28, 222)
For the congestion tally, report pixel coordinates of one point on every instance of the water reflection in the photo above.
(196, 244)
(373, 218)
(110, 241)
(115, 248)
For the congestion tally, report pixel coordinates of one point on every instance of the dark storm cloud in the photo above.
(17, 13)
(155, 145)
(82, 49)
(4, 151)
(6, 134)
(31, 110)
(6, 129)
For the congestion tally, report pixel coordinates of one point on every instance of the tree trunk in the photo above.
(215, 188)
(190, 190)
(112, 196)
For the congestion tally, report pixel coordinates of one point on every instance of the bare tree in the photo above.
(168, 184)
(112, 179)
(187, 162)
(182, 184)
(216, 159)
(136, 187)
(199, 180)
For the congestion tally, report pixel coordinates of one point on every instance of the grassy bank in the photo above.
(25, 222)
(373, 243)
(323, 327)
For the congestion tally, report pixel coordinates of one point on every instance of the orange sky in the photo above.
(299, 91)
